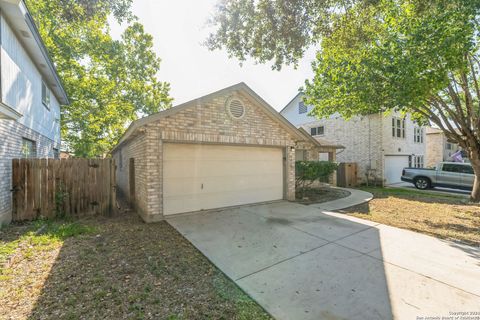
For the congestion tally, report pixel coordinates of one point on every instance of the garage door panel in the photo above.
(393, 168)
(205, 169)
(180, 168)
(237, 167)
(200, 177)
(241, 183)
(178, 204)
(182, 186)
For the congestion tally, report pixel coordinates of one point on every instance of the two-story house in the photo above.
(440, 148)
(31, 94)
(381, 145)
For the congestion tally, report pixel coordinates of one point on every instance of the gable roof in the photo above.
(23, 25)
(237, 87)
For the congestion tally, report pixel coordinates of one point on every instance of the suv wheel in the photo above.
(422, 183)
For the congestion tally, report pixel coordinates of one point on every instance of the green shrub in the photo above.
(307, 172)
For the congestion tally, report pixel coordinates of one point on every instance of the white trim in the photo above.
(8, 113)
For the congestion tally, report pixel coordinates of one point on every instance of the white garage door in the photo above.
(197, 177)
(393, 168)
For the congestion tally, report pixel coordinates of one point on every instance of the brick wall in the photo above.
(205, 122)
(361, 137)
(134, 148)
(435, 146)
(11, 133)
(367, 139)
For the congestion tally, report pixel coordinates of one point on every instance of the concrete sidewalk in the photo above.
(300, 262)
(356, 197)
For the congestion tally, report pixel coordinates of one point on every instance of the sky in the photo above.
(179, 27)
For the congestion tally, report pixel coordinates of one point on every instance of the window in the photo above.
(418, 161)
(29, 148)
(451, 167)
(56, 153)
(317, 131)
(45, 96)
(449, 146)
(302, 108)
(398, 128)
(418, 135)
(466, 169)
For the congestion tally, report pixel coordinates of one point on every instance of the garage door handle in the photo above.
(202, 186)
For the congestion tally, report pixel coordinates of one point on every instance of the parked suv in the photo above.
(454, 175)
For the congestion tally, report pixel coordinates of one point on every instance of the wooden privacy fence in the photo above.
(57, 188)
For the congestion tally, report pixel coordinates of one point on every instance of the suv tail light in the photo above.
(403, 172)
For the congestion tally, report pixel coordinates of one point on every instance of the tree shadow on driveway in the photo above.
(286, 256)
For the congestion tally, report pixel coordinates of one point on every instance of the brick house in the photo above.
(381, 145)
(31, 95)
(224, 149)
(439, 148)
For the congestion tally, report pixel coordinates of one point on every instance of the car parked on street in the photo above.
(455, 175)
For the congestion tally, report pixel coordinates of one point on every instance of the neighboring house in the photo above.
(381, 145)
(224, 149)
(31, 95)
(439, 148)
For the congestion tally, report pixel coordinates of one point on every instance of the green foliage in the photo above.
(39, 236)
(271, 30)
(59, 229)
(375, 56)
(109, 82)
(307, 172)
(60, 196)
(391, 55)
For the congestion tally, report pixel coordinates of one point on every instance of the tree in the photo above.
(377, 56)
(109, 82)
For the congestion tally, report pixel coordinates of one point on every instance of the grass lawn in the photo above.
(440, 215)
(112, 268)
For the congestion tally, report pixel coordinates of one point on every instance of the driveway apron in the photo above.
(302, 262)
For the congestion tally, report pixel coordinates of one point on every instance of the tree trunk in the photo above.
(475, 160)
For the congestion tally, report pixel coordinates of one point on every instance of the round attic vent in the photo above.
(235, 108)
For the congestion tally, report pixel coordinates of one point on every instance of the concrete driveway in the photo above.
(300, 262)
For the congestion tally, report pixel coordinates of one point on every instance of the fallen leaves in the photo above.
(125, 269)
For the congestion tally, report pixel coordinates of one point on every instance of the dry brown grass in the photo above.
(117, 268)
(442, 216)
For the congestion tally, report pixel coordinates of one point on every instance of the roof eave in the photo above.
(299, 93)
(239, 86)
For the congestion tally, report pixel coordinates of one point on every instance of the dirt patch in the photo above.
(118, 268)
(319, 195)
(445, 217)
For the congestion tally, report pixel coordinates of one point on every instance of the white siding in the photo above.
(290, 112)
(401, 146)
(366, 139)
(22, 87)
